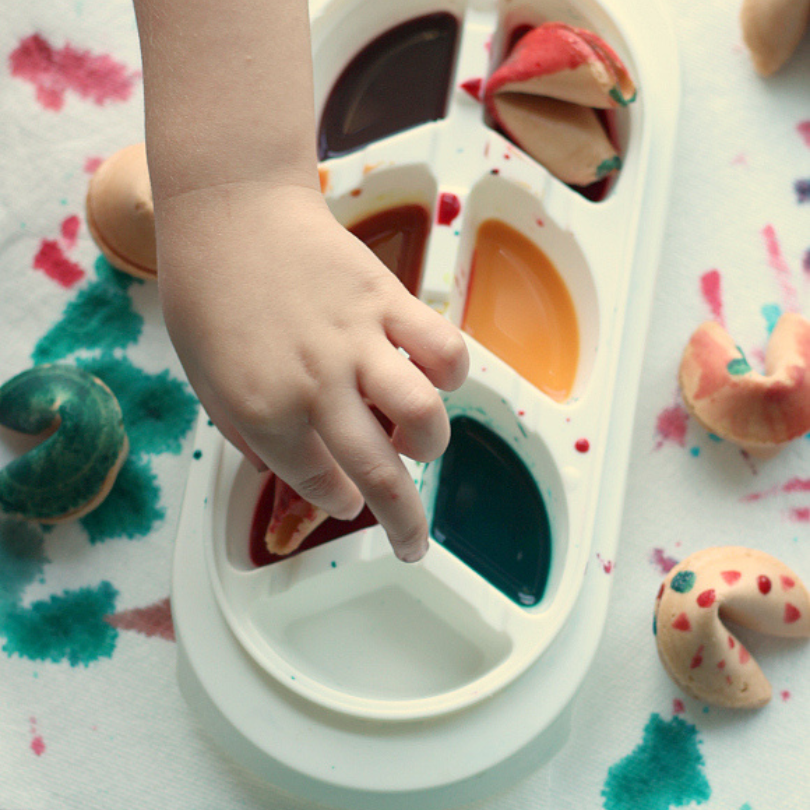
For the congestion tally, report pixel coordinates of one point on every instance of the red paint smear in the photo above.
(745, 656)
(53, 262)
(787, 582)
(671, 426)
(682, 623)
(664, 564)
(706, 598)
(677, 706)
(98, 78)
(449, 208)
(777, 261)
(803, 128)
(731, 577)
(800, 515)
(710, 288)
(697, 660)
(70, 230)
(785, 695)
(792, 613)
(154, 620)
(797, 485)
(92, 163)
(473, 87)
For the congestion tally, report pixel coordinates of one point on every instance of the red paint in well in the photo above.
(448, 209)
(710, 288)
(671, 426)
(51, 260)
(53, 72)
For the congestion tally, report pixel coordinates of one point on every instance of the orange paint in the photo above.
(520, 309)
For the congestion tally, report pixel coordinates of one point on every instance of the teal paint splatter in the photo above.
(663, 771)
(739, 365)
(132, 509)
(68, 627)
(101, 316)
(772, 313)
(158, 410)
(22, 560)
(683, 581)
(695, 451)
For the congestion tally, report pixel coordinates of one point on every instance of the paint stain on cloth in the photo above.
(665, 770)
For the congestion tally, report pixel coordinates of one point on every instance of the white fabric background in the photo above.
(117, 734)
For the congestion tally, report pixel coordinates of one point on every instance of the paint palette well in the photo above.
(524, 507)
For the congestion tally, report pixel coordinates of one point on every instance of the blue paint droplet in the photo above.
(198, 454)
(68, 627)
(695, 451)
(663, 771)
(771, 313)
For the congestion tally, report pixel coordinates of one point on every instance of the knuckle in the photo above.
(318, 486)
(421, 407)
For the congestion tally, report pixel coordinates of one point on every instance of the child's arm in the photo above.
(287, 325)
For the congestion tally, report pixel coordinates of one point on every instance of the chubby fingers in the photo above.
(434, 344)
(359, 443)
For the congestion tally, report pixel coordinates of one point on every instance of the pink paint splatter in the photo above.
(785, 695)
(671, 426)
(449, 208)
(37, 743)
(660, 560)
(473, 87)
(777, 262)
(803, 128)
(677, 706)
(98, 78)
(710, 288)
(740, 160)
(92, 163)
(607, 565)
(70, 230)
(800, 515)
(51, 260)
(154, 620)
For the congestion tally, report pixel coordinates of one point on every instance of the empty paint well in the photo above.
(398, 81)
(519, 308)
(490, 514)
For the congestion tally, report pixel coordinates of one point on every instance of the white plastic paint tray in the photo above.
(342, 675)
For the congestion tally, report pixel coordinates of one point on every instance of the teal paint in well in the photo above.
(489, 512)
(664, 771)
(67, 627)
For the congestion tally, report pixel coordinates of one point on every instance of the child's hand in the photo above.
(288, 328)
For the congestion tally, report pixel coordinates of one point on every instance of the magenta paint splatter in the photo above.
(582, 445)
(607, 565)
(740, 160)
(777, 262)
(51, 260)
(53, 72)
(803, 128)
(154, 620)
(664, 563)
(711, 290)
(800, 514)
(671, 426)
(37, 743)
(448, 209)
(677, 706)
(92, 163)
(785, 695)
(473, 87)
(70, 230)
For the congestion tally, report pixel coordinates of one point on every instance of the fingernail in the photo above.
(413, 555)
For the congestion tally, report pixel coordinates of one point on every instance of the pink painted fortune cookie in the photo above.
(545, 95)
